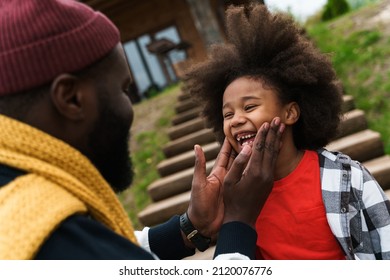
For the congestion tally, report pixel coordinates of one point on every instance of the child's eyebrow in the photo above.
(244, 98)
(249, 97)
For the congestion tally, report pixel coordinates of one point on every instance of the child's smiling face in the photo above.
(247, 104)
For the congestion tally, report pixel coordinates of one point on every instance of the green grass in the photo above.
(361, 59)
(146, 148)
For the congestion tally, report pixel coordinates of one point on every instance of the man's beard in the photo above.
(109, 142)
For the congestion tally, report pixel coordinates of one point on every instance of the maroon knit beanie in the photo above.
(40, 39)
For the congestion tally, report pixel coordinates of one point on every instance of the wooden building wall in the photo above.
(135, 18)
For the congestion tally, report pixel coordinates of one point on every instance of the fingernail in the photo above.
(281, 128)
(246, 150)
(196, 149)
(277, 121)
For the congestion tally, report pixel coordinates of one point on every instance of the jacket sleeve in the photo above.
(166, 242)
(235, 241)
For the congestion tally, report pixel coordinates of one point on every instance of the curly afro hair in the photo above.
(270, 47)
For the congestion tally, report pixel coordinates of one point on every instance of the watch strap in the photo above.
(200, 242)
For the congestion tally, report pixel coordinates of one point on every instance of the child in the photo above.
(323, 204)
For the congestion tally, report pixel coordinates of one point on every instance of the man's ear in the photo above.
(292, 113)
(67, 96)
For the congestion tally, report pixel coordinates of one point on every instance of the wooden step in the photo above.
(186, 128)
(184, 106)
(361, 146)
(159, 212)
(186, 143)
(348, 103)
(183, 96)
(186, 116)
(173, 184)
(380, 169)
(353, 121)
(186, 160)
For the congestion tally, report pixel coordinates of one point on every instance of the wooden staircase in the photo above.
(171, 193)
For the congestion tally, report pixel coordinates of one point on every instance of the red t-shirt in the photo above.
(292, 224)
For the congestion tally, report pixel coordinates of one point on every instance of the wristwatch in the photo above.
(200, 242)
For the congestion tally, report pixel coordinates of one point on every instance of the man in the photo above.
(65, 118)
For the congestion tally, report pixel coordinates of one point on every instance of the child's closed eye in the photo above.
(250, 107)
(228, 115)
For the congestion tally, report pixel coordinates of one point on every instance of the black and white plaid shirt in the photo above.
(357, 209)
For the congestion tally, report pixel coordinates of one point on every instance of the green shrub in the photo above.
(335, 8)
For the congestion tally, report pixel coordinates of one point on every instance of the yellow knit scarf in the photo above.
(59, 182)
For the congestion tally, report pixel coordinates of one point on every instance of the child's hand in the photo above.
(250, 179)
